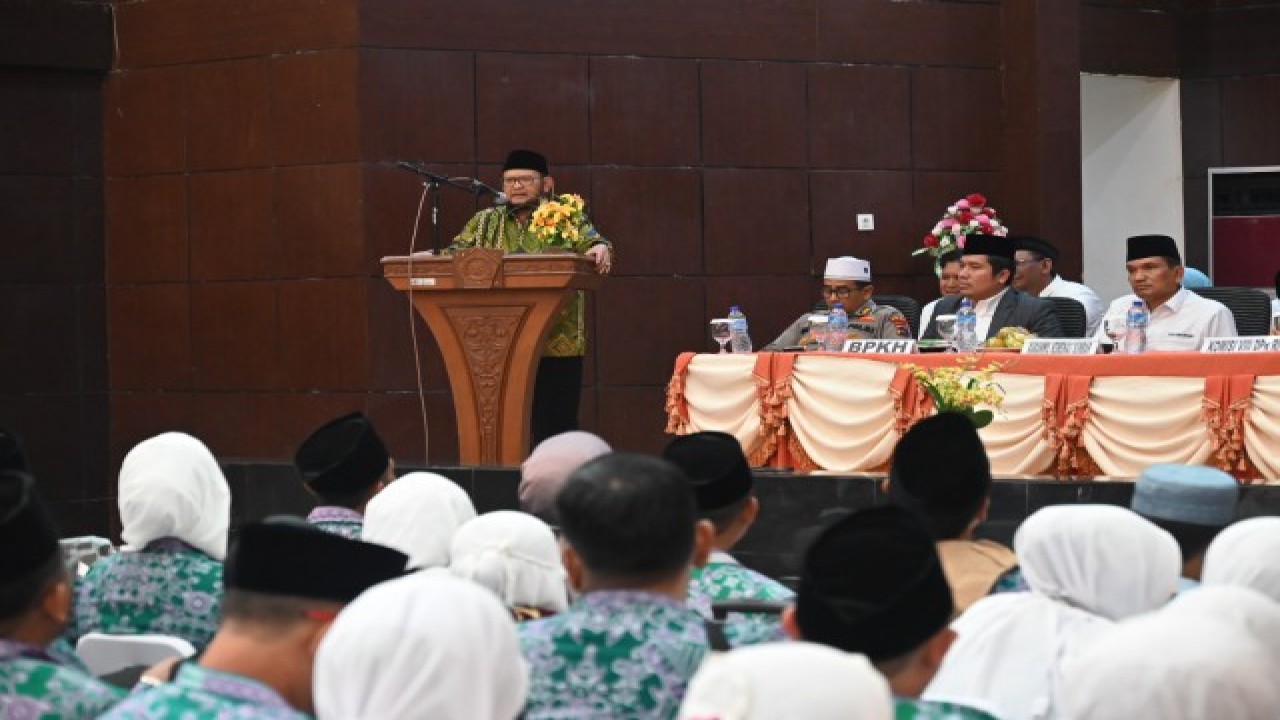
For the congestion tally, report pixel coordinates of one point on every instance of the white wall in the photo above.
(1131, 143)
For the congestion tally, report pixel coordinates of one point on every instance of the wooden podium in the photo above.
(490, 314)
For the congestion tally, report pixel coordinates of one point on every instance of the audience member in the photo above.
(286, 582)
(423, 646)
(1246, 554)
(550, 464)
(1178, 318)
(344, 464)
(1170, 667)
(941, 473)
(629, 644)
(1036, 274)
(517, 557)
(986, 271)
(1244, 608)
(35, 605)
(1275, 307)
(787, 680)
(1193, 503)
(721, 480)
(1087, 567)
(847, 280)
(418, 515)
(175, 510)
(872, 584)
(948, 284)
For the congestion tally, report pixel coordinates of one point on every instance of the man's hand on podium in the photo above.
(604, 259)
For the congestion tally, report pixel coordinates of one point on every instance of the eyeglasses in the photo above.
(520, 180)
(843, 292)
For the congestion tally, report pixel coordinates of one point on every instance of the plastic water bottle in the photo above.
(739, 340)
(1135, 329)
(837, 327)
(966, 327)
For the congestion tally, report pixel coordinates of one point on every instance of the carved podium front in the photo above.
(490, 314)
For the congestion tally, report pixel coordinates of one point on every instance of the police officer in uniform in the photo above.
(847, 280)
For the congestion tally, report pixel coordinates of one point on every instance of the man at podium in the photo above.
(526, 184)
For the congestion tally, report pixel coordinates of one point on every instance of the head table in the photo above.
(1065, 415)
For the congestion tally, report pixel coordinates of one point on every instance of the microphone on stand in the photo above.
(477, 187)
(418, 169)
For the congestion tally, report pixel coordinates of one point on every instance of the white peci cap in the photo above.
(848, 268)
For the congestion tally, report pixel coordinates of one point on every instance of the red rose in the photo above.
(964, 216)
(930, 241)
(976, 199)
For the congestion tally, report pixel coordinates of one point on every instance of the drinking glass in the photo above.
(721, 329)
(1275, 324)
(947, 330)
(1115, 329)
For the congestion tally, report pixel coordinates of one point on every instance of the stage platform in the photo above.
(792, 506)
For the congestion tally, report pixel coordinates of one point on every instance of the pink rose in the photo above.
(962, 204)
(960, 241)
(948, 223)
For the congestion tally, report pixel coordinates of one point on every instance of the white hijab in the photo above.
(1245, 608)
(1246, 553)
(418, 515)
(785, 681)
(426, 645)
(1087, 566)
(516, 556)
(171, 486)
(1172, 666)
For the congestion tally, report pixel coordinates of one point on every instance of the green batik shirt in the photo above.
(198, 693)
(499, 228)
(168, 588)
(723, 579)
(913, 709)
(612, 654)
(33, 685)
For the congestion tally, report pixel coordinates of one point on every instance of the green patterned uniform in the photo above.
(34, 685)
(912, 709)
(198, 693)
(613, 654)
(499, 228)
(338, 520)
(722, 579)
(169, 588)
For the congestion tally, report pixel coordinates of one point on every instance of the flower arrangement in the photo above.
(969, 215)
(557, 221)
(962, 388)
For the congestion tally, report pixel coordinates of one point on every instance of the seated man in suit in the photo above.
(1177, 319)
(986, 269)
(1036, 273)
(847, 280)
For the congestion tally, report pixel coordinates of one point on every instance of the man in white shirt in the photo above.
(986, 269)
(1178, 319)
(1036, 273)
(948, 284)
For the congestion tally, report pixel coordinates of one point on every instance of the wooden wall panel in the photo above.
(532, 101)
(653, 216)
(232, 225)
(859, 117)
(665, 315)
(645, 111)
(884, 32)
(752, 114)
(417, 105)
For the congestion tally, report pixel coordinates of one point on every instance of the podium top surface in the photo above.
(482, 269)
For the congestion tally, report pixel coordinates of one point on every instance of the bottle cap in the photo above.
(734, 308)
(838, 306)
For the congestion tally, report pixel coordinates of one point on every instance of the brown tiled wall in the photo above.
(194, 243)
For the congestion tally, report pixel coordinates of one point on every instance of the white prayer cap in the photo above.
(1245, 554)
(424, 645)
(516, 556)
(171, 486)
(787, 680)
(848, 268)
(418, 515)
(1170, 666)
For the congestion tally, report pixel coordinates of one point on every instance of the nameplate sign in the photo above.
(882, 347)
(1258, 343)
(1060, 346)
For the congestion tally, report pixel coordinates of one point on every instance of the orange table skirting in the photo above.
(1068, 416)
